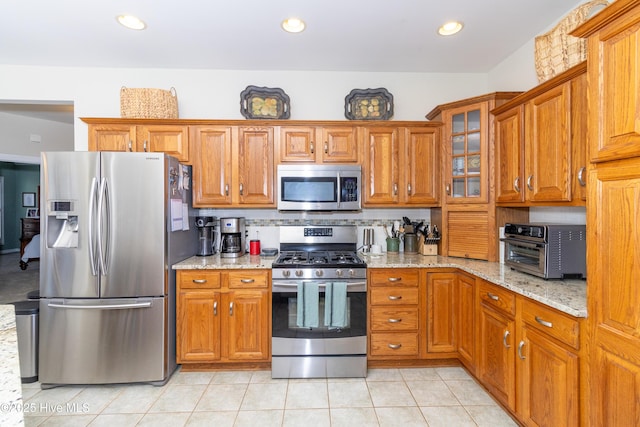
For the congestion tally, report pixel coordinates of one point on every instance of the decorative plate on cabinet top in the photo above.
(368, 104)
(264, 103)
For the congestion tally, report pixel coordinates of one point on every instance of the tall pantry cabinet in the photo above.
(613, 212)
(468, 218)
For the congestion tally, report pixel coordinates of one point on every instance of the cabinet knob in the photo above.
(130, 146)
(581, 180)
(241, 189)
(447, 189)
(226, 190)
(529, 184)
(215, 308)
(231, 309)
(247, 280)
(492, 296)
(394, 320)
(409, 189)
(199, 281)
(516, 184)
(394, 346)
(144, 146)
(395, 188)
(395, 297)
(311, 148)
(394, 279)
(326, 148)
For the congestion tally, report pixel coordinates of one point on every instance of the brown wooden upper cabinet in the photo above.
(466, 166)
(139, 135)
(318, 144)
(540, 143)
(400, 165)
(233, 174)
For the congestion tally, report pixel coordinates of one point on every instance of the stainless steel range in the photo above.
(319, 313)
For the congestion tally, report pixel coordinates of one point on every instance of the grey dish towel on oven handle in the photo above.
(308, 302)
(335, 305)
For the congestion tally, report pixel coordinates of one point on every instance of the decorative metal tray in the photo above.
(264, 103)
(368, 104)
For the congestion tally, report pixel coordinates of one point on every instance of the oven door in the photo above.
(527, 257)
(285, 309)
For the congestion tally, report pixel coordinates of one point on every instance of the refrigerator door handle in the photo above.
(103, 307)
(92, 206)
(103, 241)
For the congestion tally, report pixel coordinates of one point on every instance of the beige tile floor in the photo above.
(431, 397)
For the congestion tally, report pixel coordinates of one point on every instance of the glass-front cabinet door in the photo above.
(465, 149)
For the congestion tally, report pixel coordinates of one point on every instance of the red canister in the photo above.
(254, 247)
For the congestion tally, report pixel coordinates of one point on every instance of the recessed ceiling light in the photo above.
(293, 25)
(131, 22)
(450, 28)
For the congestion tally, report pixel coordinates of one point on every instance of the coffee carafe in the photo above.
(232, 237)
(206, 235)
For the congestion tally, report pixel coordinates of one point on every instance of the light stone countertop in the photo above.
(10, 383)
(568, 296)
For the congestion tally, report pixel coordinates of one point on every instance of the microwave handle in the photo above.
(339, 189)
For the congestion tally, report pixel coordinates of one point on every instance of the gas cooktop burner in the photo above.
(315, 258)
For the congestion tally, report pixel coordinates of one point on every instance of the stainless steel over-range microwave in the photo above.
(319, 187)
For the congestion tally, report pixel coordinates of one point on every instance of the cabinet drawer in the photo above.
(394, 319)
(394, 296)
(394, 344)
(198, 279)
(551, 322)
(497, 297)
(396, 276)
(247, 279)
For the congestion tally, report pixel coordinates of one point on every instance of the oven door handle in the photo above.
(292, 285)
(522, 243)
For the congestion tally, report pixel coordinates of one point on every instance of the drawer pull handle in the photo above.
(394, 346)
(199, 281)
(247, 280)
(215, 308)
(544, 322)
(516, 184)
(395, 320)
(504, 339)
(394, 279)
(231, 309)
(520, 350)
(493, 297)
(395, 297)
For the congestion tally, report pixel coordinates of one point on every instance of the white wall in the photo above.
(215, 94)
(16, 135)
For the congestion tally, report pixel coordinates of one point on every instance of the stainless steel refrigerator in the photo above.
(112, 224)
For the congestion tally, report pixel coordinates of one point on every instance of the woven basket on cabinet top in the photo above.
(144, 103)
(557, 51)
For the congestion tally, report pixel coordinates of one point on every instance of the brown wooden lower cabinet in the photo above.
(223, 316)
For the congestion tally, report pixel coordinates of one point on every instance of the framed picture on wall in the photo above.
(32, 213)
(28, 200)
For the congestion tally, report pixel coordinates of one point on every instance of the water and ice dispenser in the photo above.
(62, 224)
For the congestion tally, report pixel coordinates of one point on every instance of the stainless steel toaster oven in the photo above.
(550, 251)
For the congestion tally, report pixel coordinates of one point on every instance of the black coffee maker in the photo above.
(206, 235)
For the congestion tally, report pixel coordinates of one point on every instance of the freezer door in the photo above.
(102, 341)
(132, 225)
(68, 181)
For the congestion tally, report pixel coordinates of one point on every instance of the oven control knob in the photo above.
(298, 273)
(352, 273)
(319, 273)
(339, 273)
(286, 273)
